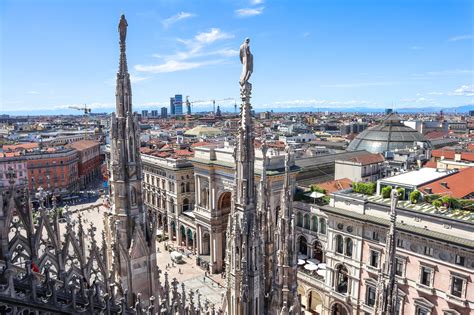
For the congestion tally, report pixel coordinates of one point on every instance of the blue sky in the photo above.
(313, 53)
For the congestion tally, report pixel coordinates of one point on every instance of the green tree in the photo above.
(386, 191)
(415, 196)
(437, 203)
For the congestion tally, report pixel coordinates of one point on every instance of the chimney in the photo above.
(444, 184)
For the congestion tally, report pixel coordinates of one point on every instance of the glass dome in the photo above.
(391, 134)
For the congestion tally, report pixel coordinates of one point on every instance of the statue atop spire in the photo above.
(122, 28)
(245, 287)
(246, 58)
(134, 228)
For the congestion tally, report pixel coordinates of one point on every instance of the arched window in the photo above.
(188, 187)
(339, 244)
(322, 227)
(342, 279)
(183, 188)
(299, 219)
(306, 221)
(349, 247)
(303, 246)
(318, 251)
(314, 223)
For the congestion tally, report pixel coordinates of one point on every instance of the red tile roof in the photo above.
(82, 145)
(458, 185)
(449, 154)
(435, 135)
(367, 159)
(431, 164)
(335, 185)
(21, 146)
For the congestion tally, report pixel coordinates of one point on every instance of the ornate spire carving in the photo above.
(244, 277)
(386, 300)
(286, 299)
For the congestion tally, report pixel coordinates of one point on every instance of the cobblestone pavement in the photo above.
(210, 286)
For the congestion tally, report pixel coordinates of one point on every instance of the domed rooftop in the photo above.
(203, 131)
(391, 134)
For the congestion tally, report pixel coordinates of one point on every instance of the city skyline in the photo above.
(324, 55)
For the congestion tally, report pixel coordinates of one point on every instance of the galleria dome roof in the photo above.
(389, 135)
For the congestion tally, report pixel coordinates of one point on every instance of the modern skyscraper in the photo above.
(178, 104)
(164, 112)
(144, 113)
(154, 113)
(172, 108)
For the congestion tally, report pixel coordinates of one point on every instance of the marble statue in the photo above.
(246, 58)
(122, 28)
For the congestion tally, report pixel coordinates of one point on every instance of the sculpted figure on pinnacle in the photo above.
(246, 58)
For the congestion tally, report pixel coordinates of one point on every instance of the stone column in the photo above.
(186, 237)
(178, 234)
(199, 240)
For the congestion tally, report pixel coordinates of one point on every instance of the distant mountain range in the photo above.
(447, 110)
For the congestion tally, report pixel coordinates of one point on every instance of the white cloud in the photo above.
(32, 93)
(194, 56)
(356, 84)
(306, 34)
(136, 79)
(174, 65)
(255, 2)
(460, 37)
(213, 35)
(299, 103)
(464, 90)
(177, 17)
(249, 11)
(435, 93)
(416, 48)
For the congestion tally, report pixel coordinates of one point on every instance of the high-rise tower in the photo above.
(134, 246)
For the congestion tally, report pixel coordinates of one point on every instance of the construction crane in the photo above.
(188, 103)
(87, 111)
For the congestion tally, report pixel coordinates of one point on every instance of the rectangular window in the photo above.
(459, 260)
(399, 267)
(371, 293)
(426, 274)
(399, 242)
(456, 286)
(421, 311)
(374, 258)
(375, 235)
(428, 251)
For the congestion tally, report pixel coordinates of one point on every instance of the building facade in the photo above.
(90, 161)
(434, 257)
(55, 170)
(12, 164)
(364, 168)
(169, 190)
